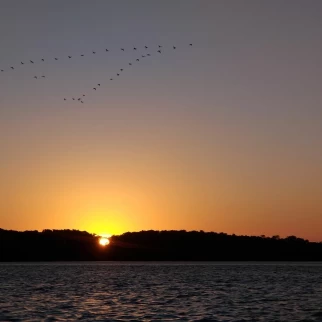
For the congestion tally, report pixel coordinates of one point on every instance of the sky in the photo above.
(222, 136)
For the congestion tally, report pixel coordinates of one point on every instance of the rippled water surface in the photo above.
(160, 292)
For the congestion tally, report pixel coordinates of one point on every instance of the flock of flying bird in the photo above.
(81, 99)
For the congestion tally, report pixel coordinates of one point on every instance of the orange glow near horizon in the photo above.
(162, 183)
(105, 235)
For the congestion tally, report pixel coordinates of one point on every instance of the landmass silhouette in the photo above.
(151, 245)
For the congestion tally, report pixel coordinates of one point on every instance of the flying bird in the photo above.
(134, 48)
(43, 59)
(73, 99)
(82, 102)
(69, 56)
(98, 84)
(138, 59)
(82, 55)
(159, 51)
(121, 69)
(94, 88)
(43, 76)
(130, 64)
(146, 47)
(190, 45)
(122, 49)
(64, 99)
(148, 54)
(83, 95)
(106, 49)
(35, 77)
(2, 70)
(94, 52)
(174, 47)
(22, 63)
(56, 58)
(111, 78)
(79, 99)
(160, 46)
(32, 62)
(12, 67)
(118, 74)
(143, 56)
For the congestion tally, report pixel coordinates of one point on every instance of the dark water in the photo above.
(160, 292)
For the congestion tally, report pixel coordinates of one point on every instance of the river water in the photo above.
(114, 291)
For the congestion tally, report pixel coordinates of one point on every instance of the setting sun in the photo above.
(104, 241)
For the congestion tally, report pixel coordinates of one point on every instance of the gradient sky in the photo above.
(223, 136)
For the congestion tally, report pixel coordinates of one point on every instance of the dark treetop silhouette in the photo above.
(70, 245)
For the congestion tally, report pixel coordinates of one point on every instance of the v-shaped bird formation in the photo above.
(148, 52)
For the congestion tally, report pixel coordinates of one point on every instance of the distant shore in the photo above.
(179, 246)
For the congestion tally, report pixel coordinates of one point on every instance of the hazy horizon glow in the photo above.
(224, 136)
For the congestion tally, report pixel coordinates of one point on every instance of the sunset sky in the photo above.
(222, 136)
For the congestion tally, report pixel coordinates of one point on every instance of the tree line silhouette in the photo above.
(74, 245)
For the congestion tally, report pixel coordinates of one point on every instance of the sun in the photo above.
(103, 241)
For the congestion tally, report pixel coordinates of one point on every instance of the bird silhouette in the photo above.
(94, 52)
(2, 70)
(12, 67)
(82, 102)
(190, 45)
(73, 99)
